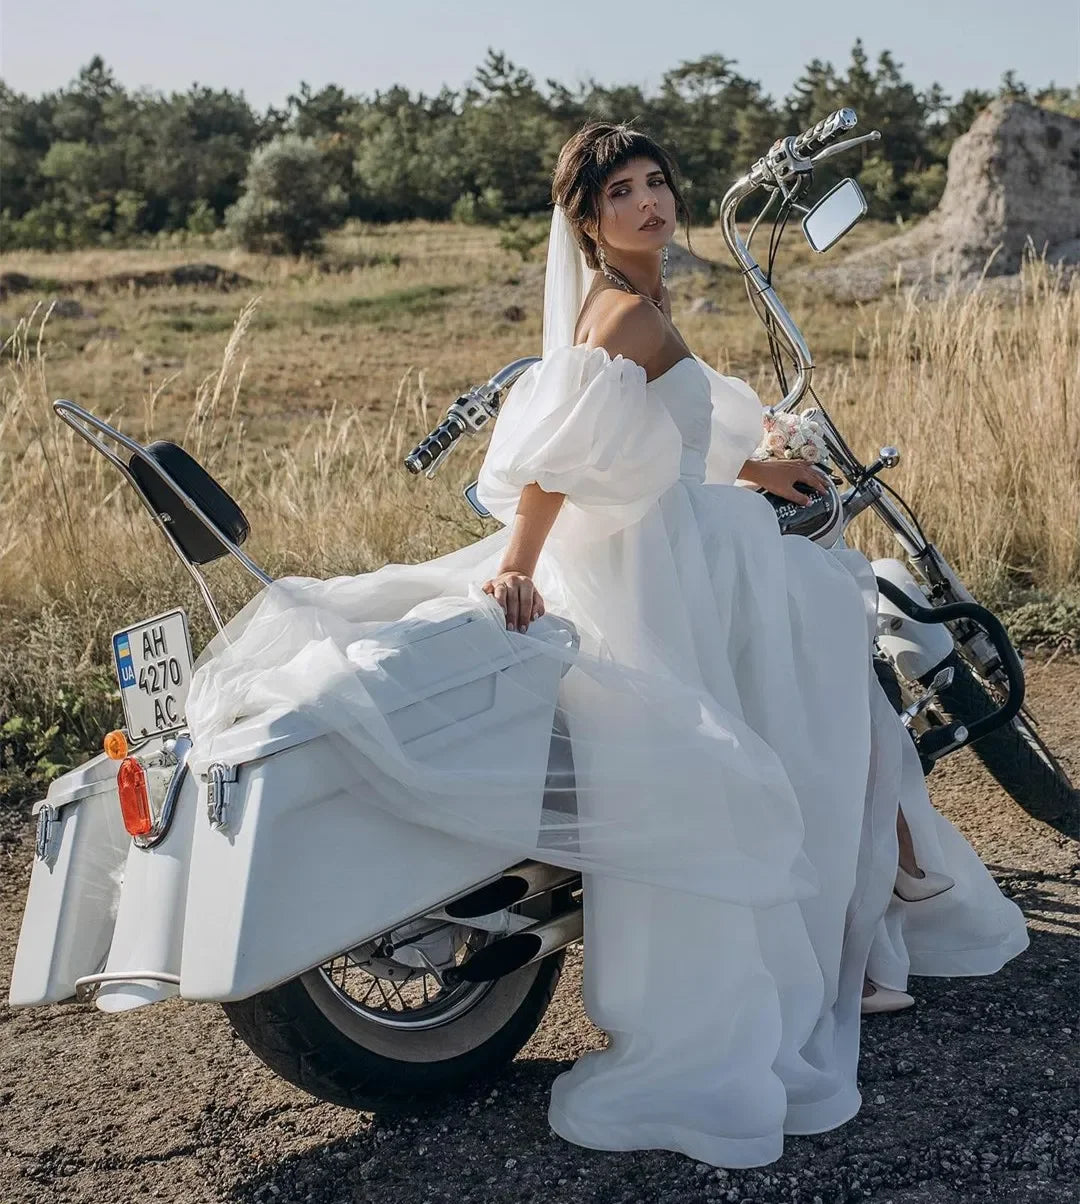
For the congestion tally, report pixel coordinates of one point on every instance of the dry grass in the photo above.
(981, 391)
(328, 380)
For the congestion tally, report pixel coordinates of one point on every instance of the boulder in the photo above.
(1013, 182)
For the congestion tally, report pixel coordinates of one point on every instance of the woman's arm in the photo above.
(622, 325)
(512, 585)
(536, 513)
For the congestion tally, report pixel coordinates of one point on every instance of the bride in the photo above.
(739, 777)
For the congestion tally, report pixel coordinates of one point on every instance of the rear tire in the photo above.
(310, 1033)
(1015, 755)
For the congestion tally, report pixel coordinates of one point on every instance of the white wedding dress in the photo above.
(737, 766)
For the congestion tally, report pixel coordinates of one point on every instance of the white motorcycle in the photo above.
(361, 957)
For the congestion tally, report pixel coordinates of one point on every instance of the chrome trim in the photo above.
(468, 415)
(839, 148)
(86, 987)
(838, 122)
(515, 885)
(218, 778)
(941, 681)
(552, 935)
(178, 755)
(506, 376)
(785, 168)
(48, 819)
(788, 331)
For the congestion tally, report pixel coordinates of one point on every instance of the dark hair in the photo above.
(587, 159)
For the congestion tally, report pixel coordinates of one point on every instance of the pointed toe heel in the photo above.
(913, 890)
(882, 999)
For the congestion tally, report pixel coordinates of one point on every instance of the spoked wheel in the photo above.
(379, 1022)
(370, 983)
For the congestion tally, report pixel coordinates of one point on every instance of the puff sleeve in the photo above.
(581, 423)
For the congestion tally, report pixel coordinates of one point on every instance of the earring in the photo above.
(601, 257)
(663, 266)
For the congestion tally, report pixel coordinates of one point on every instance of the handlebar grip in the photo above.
(423, 455)
(810, 141)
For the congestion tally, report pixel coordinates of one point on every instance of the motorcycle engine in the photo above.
(821, 520)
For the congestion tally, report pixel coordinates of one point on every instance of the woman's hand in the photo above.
(518, 597)
(780, 476)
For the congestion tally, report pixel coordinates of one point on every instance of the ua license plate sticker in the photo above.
(153, 667)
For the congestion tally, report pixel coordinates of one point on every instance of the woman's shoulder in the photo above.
(623, 324)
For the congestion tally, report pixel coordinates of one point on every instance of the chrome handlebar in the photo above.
(817, 137)
(471, 412)
(788, 167)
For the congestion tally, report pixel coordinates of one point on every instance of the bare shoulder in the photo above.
(626, 325)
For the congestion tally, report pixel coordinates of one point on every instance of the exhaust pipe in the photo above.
(523, 882)
(511, 953)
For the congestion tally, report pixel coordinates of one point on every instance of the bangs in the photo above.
(587, 161)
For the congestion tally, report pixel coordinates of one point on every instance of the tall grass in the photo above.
(980, 390)
(335, 499)
(80, 558)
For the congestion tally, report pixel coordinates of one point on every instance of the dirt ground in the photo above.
(971, 1096)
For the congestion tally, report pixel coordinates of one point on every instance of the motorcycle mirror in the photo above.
(834, 215)
(478, 506)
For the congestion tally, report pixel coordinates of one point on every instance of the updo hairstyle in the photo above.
(587, 159)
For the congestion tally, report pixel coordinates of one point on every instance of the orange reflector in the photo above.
(115, 745)
(134, 799)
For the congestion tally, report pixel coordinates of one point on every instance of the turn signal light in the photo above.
(115, 745)
(134, 797)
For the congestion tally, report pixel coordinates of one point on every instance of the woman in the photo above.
(778, 1054)
(736, 768)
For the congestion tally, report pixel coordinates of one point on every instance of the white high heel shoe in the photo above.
(912, 889)
(883, 999)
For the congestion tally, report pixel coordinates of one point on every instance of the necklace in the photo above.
(625, 284)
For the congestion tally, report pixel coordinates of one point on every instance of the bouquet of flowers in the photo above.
(792, 437)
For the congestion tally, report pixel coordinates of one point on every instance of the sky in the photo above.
(266, 47)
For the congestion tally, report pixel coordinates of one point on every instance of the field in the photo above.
(302, 389)
(302, 384)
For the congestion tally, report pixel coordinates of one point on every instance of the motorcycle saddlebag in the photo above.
(304, 865)
(75, 885)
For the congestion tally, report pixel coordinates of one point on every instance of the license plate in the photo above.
(153, 666)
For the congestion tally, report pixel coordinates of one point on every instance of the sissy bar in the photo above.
(196, 515)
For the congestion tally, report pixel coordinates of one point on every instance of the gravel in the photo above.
(971, 1096)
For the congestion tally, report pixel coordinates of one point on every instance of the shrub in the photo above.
(523, 235)
(289, 201)
(201, 220)
(485, 208)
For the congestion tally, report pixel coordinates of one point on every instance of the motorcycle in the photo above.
(404, 961)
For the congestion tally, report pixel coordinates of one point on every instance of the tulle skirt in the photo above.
(722, 767)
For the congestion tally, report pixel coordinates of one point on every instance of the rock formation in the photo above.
(1013, 178)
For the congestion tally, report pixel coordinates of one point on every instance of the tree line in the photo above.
(96, 164)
